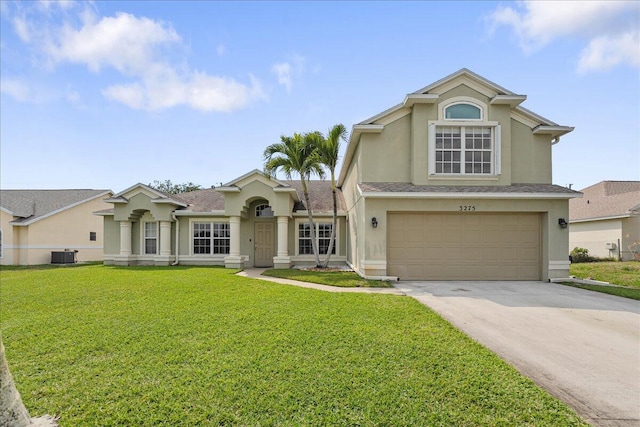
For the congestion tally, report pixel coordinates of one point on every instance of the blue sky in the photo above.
(107, 94)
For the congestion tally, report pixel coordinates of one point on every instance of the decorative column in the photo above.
(165, 238)
(234, 260)
(123, 257)
(164, 258)
(125, 238)
(282, 259)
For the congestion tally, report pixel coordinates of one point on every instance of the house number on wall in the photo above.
(468, 208)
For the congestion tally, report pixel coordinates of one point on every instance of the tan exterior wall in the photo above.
(531, 156)
(554, 239)
(594, 236)
(69, 229)
(9, 254)
(384, 157)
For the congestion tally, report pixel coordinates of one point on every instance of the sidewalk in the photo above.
(256, 273)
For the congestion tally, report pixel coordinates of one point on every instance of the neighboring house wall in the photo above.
(594, 236)
(70, 229)
(631, 238)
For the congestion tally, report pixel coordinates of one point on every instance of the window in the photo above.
(264, 211)
(462, 142)
(150, 238)
(464, 150)
(92, 236)
(463, 111)
(323, 238)
(211, 238)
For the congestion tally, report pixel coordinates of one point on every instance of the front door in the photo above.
(263, 255)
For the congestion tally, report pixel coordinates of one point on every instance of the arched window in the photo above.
(263, 211)
(463, 111)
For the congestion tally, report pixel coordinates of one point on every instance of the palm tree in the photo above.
(297, 155)
(328, 151)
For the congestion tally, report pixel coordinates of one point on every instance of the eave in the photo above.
(354, 140)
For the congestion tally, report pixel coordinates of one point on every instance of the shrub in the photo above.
(581, 255)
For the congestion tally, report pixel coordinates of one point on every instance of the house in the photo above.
(606, 221)
(453, 183)
(35, 223)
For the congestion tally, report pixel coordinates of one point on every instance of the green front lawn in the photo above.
(342, 279)
(618, 273)
(180, 346)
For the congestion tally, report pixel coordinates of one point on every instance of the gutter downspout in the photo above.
(177, 261)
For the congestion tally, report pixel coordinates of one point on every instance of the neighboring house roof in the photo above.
(606, 199)
(29, 206)
(398, 189)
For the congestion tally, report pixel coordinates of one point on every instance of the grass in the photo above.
(631, 293)
(342, 279)
(181, 346)
(618, 273)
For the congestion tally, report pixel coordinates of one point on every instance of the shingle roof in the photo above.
(606, 199)
(31, 205)
(405, 187)
(209, 199)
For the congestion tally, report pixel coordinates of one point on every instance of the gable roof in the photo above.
(606, 200)
(30, 206)
(406, 190)
(430, 95)
(161, 196)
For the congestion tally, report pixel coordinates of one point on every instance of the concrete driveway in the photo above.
(581, 346)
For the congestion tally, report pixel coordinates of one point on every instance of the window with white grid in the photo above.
(323, 237)
(211, 238)
(150, 238)
(464, 150)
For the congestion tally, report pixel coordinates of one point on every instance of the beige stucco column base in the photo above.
(163, 260)
(234, 262)
(281, 262)
(122, 260)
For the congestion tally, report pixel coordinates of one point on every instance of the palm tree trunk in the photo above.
(12, 410)
(335, 222)
(314, 242)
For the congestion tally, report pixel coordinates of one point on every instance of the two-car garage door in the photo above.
(463, 246)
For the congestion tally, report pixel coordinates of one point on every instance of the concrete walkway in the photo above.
(256, 273)
(581, 346)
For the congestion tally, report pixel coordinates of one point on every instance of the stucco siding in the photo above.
(69, 229)
(631, 238)
(530, 156)
(8, 255)
(386, 156)
(594, 235)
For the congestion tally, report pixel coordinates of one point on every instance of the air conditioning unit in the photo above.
(611, 246)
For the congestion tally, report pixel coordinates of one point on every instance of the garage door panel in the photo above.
(471, 246)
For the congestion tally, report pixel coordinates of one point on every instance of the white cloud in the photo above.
(288, 71)
(15, 88)
(139, 48)
(608, 26)
(283, 72)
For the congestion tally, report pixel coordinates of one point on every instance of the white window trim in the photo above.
(497, 148)
(462, 100)
(192, 221)
(143, 240)
(315, 222)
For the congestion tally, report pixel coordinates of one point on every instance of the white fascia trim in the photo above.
(169, 202)
(200, 214)
(554, 131)
(5, 210)
(73, 205)
(420, 98)
(228, 189)
(419, 195)
(601, 218)
(511, 100)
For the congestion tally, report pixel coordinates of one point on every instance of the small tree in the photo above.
(328, 150)
(169, 187)
(297, 154)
